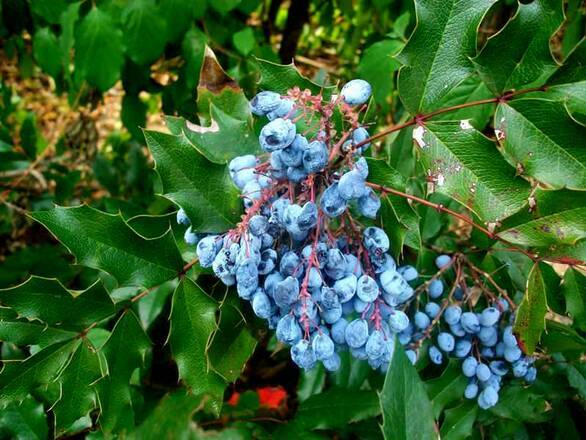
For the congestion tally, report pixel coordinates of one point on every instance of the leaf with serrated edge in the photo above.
(19, 378)
(437, 57)
(403, 399)
(78, 395)
(70, 309)
(542, 141)
(530, 317)
(515, 58)
(124, 352)
(203, 189)
(106, 242)
(466, 166)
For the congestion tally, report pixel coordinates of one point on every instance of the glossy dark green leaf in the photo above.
(446, 389)
(459, 421)
(521, 404)
(171, 418)
(22, 332)
(437, 57)
(280, 78)
(203, 189)
(124, 352)
(78, 394)
(404, 400)
(151, 306)
(530, 317)
(541, 140)
(193, 49)
(26, 420)
(50, 10)
(144, 31)
(514, 58)
(562, 338)
(559, 217)
(69, 309)
(337, 407)
(465, 165)
(19, 378)
(104, 241)
(244, 41)
(177, 15)
(193, 323)
(47, 52)
(98, 50)
(574, 291)
(568, 83)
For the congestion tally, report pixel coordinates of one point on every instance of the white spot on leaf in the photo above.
(500, 134)
(465, 124)
(418, 133)
(213, 128)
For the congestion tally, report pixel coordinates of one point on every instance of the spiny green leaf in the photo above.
(404, 400)
(530, 317)
(437, 57)
(106, 242)
(459, 421)
(124, 352)
(515, 58)
(98, 50)
(280, 78)
(78, 394)
(67, 308)
(466, 166)
(542, 141)
(144, 31)
(201, 188)
(31, 333)
(193, 322)
(559, 218)
(19, 378)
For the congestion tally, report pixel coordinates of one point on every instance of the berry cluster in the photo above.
(484, 339)
(320, 278)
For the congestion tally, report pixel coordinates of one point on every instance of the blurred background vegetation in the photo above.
(80, 78)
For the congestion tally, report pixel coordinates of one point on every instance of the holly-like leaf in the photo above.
(465, 165)
(144, 31)
(541, 140)
(514, 58)
(193, 322)
(574, 291)
(47, 52)
(407, 411)
(226, 128)
(78, 394)
(98, 50)
(280, 78)
(203, 189)
(124, 352)
(104, 241)
(521, 404)
(22, 332)
(336, 408)
(68, 309)
(437, 57)
(19, 378)
(559, 218)
(568, 83)
(459, 421)
(446, 389)
(530, 317)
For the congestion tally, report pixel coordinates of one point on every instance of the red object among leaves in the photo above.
(271, 397)
(234, 398)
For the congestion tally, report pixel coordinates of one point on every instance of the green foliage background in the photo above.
(108, 329)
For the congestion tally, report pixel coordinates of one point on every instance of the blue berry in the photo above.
(435, 288)
(432, 309)
(469, 366)
(356, 333)
(277, 135)
(332, 363)
(446, 342)
(452, 315)
(442, 261)
(489, 316)
(323, 346)
(367, 289)
(331, 202)
(356, 92)
(421, 320)
(469, 322)
(435, 356)
(398, 321)
(315, 157)
(483, 372)
(471, 391)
